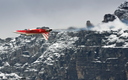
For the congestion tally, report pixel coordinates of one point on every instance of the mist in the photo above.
(114, 25)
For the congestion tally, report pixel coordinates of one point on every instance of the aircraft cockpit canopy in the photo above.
(42, 27)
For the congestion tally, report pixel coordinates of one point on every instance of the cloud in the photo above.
(114, 25)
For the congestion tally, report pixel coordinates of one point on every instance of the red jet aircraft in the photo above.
(44, 31)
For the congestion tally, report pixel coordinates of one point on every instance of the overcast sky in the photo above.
(24, 14)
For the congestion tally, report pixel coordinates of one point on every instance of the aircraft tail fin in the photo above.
(46, 35)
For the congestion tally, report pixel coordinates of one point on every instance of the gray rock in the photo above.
(108, 18)
(122, 11)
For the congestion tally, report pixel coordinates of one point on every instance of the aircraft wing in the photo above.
(46, 35)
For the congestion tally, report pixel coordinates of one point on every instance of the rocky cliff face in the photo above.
(122, 11)
(78, 55)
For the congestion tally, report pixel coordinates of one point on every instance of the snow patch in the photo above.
(54, 51)
(11, 76)
(118, 39)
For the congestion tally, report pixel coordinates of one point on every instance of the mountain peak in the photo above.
(122, 11)
(124, 5)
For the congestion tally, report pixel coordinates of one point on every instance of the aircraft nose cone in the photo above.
(50, 29)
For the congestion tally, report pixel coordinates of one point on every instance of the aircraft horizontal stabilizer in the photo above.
(46, 35)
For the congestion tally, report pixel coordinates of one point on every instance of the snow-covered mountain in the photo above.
(26, 55)
(98, 53)
(63, 56)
